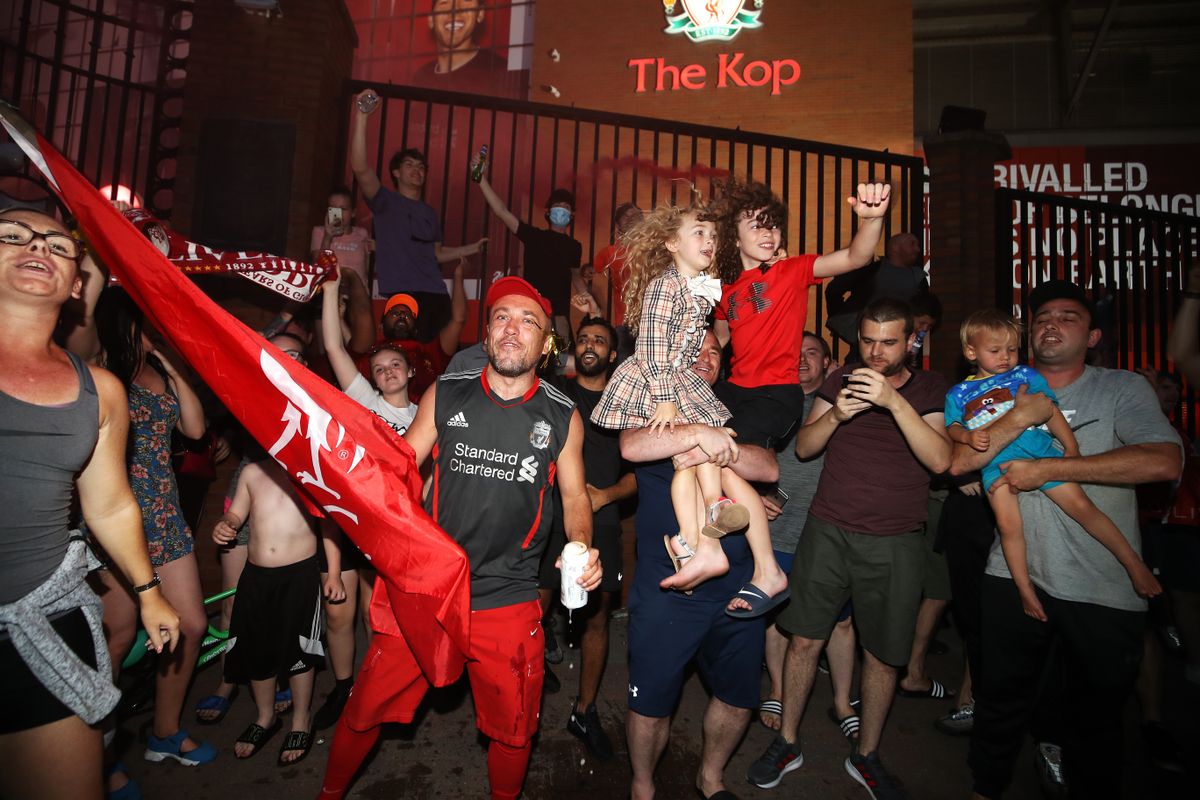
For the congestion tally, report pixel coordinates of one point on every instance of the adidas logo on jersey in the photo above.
(459, 420)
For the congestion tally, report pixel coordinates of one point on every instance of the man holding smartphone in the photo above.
(338, 233)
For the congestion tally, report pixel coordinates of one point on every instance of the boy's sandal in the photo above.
(256, 736)
(936, 691)
(770, 707)
(679, 560)
(214, 702)
(760, 602)
(296, 740)
(725, 516)
(283, 701)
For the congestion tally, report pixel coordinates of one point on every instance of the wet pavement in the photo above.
(443, 756)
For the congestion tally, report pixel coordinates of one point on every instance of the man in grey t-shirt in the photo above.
(1095, 617)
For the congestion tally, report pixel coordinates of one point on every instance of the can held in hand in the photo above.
(574, 562)
(368, 102)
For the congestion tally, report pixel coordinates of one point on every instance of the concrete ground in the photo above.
(442, 755)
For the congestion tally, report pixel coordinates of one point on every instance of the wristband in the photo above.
(145, 587)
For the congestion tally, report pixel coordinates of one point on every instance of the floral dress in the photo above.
(673, 324)
(153, 417)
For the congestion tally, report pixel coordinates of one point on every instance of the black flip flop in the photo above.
(296, 740)
(724, 794)
(256, 736)
(936, 691)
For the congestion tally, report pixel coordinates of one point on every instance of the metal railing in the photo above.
(103, 80)
(1132, 262)
(608, 159)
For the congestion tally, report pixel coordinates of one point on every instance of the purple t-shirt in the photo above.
(406, 232)
(872, 483)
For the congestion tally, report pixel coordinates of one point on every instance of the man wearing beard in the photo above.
(429, 359)
(607, 485)
(500, 439)
(882, 433)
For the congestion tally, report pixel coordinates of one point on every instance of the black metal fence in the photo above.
(1132, 262)
(103, 80)
(608, 159)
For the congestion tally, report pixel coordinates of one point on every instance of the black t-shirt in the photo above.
(494, 465)
(549, 259)
(601, 456)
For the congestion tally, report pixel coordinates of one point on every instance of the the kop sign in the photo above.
(713, 20)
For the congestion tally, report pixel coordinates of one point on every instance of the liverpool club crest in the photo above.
(539, 437)
(705, 20)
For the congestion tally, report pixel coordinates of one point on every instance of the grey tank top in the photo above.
(42, 450)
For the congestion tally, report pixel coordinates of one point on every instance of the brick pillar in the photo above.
(962, 232)
(246, 68)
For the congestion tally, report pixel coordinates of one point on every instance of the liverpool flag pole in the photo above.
(342, 458)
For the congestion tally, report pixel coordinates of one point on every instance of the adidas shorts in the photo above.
(277, 622)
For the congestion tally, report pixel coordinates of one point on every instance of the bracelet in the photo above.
(145, 587)
(1192, 295)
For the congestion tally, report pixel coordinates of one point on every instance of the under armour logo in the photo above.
(757, 298)
(633, 690)
(529, 469)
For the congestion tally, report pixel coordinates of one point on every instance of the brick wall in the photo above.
(284, 69)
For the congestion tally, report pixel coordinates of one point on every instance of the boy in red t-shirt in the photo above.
(765, 306)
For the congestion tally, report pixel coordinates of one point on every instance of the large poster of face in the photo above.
(473, 46)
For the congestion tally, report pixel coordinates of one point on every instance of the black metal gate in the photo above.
(103, 80)
(608, 159)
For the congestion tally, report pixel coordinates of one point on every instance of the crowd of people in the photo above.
(789, 511)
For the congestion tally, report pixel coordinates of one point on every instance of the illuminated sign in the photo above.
(711, 20)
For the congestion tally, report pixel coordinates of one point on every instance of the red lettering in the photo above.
(693, 77)
(780, 81)
(726, 72)
(664, 70)
(641, 64)
(763, 66)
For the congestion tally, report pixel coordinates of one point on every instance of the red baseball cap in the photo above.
(402, 300)
(514, 285)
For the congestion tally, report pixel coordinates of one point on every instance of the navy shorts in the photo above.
(667, 630)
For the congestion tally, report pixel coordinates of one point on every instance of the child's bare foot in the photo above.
(709, 562)
(1031, 604)
(1144, 582)
(725, 516)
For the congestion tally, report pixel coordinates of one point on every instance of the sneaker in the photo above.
(554, 653)
(959, 722)
(1161, 747)
(779, 759)
(550, 683)
(171, 747)
(329, 712)
(868, 770)
(1050, 771)
(586, 727)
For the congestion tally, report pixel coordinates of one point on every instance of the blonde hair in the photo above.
(988, 320)
(647, 256)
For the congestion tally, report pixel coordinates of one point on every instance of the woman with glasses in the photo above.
(63, 429)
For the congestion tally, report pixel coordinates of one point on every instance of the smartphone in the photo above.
(334, 218)
(781, 497)
(846, 376)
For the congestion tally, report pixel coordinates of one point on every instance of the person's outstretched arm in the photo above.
(1184, 344)
(871, 206)
(495, 203)
(448, 338)
(331, 329)
(367, 179)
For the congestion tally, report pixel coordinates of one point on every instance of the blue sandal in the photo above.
(760, 602)
(214, 702)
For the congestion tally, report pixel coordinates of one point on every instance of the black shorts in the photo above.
(667, 631)
(24, 702)
(605, 538)
(276, 624)
(764, 415)
(352, 557)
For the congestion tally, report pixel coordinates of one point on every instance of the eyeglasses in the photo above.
(295, 355)
(19, 234)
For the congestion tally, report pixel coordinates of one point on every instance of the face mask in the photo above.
(560, 217)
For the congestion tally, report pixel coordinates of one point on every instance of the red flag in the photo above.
(341, 457)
